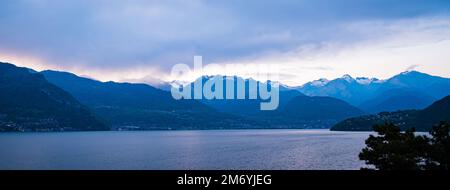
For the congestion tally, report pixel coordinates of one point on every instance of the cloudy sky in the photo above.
(140, 41)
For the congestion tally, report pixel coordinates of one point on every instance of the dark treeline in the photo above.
(392, 149)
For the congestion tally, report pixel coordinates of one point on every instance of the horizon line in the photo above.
(206, 75)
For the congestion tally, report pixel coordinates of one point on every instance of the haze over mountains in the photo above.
(56, 101)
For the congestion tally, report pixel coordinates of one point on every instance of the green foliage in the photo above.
(392, 149)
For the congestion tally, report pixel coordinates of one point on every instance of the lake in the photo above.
(214, 149)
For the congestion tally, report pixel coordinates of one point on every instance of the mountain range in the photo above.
(295, 109)
(143, 107)
(407, 90)
(62, 101)
(140, 106)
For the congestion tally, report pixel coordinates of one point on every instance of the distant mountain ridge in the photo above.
(295, 109)
(415, 90)
(28, 102)
(407, 90)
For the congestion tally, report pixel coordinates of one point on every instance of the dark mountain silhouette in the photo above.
(436, 112)
(29, 103)
(316, 108)
(397, 99)
(421, 120)
(141, 106)
(311, 112)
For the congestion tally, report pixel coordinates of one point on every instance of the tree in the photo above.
(439, 153)
(392, 149)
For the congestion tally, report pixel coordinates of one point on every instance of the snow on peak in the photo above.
(411, 72)
(320, 82)
(347, 78)
(407, 72)
(365, 80)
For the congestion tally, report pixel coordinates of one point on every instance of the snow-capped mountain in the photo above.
(367, 81)
(407, 90)
(319, 83)
(365, 92)
(345, 88)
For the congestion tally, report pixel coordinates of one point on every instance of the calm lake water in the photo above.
(216, 149)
